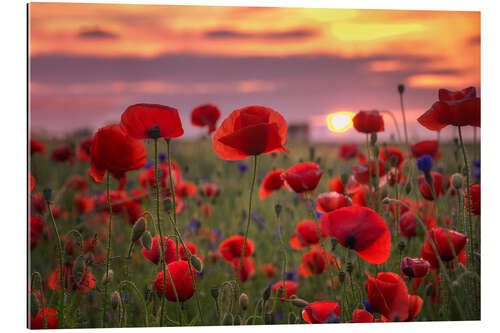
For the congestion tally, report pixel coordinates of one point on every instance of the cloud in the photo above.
(96, 33)
(272, 35)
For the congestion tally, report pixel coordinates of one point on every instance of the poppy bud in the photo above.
(457, 180)
(243, 301)
(115, 299)
(197, 263)
(237, 320)
(267, 293)
(228, 319)
(373, 140)
(349, 267)
(394, 160)
(47, 194)
(277, 209)
(109, 277)
(341, 277)
(386, 201)
(138, 230)
(429, 290)
(344, 178)
(214, 291)
(167, 204)
(34, 305)
(79, 268)
(401, 246)
(334, 241)
(154, 132)
(401, 88)
(408, 188)
(147, 240)
(268, 319)
(299, 302)
(387, 165)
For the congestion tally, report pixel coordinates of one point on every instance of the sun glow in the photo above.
(339, 121)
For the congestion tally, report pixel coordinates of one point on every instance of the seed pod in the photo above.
(197, 263)
(214, 292)
(34, 305)
(299, 302)
(243, 301)
(386, 200)
(47, 194)
(110, 277)
(138, 230)
(267, 293)
(228, 319)
(457, 180)
(401, 88)
(147, 240)
(344, 178)
(115, 299)
(277, 209)
(408, 188)
(333, 242)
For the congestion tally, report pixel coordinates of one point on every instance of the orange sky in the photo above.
(426, 50)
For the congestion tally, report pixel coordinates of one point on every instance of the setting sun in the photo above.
(339, 121)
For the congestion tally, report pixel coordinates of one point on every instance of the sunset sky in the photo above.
(90, 61)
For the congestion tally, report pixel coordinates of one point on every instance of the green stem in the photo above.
(249, 216)
(404, 117)
(140, 296)
(466, 165)
(186, 250)
(61, 274)
(108, 253)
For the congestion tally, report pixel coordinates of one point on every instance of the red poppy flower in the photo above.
(321, 312)
(63, 154)
(429, 147)
(457, 108)
(388, 295)
(134, 211)
(206, 209)
(336, 185)
(181, 278)
(31, 182)
(211, 190)
(414, 267)
(414, 306)
(438, 182)
(50, 314)
(475, 199)
(252, 130)
(330, 201)
(37, 147)
(115, 151)
(314, 262)
(361, 171)
(231, 248)
(302, 177)
(360, 197)
(361, 316)
(271, 182)
(83, 150)
(306, 234)
(84, 283)
(185, 189)
(386, 154)
(79, 183)
(290, 289)
(154, 255)
(442, 238)
(139, 119)
(360, 229)
(348, 151)
(36, 229)
(368, 122)
(391, 176)
(38, 202)
(205, 115)
(83, 204)
(247, 268)
(192, 248)
(392, 207)
(269, 270)
(408, 224)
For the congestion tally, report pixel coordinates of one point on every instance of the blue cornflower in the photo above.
(194, 225)
(149, 164)
(258, 219)
(368, 307)
(476, 163)
(242, 167)
(424, 163)
(291, 275)
(162, 157)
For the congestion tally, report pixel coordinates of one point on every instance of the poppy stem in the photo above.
(403, 114)
(369, 172)
(61, 273)
(108, 253)
(249, 216)
(179, 237)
